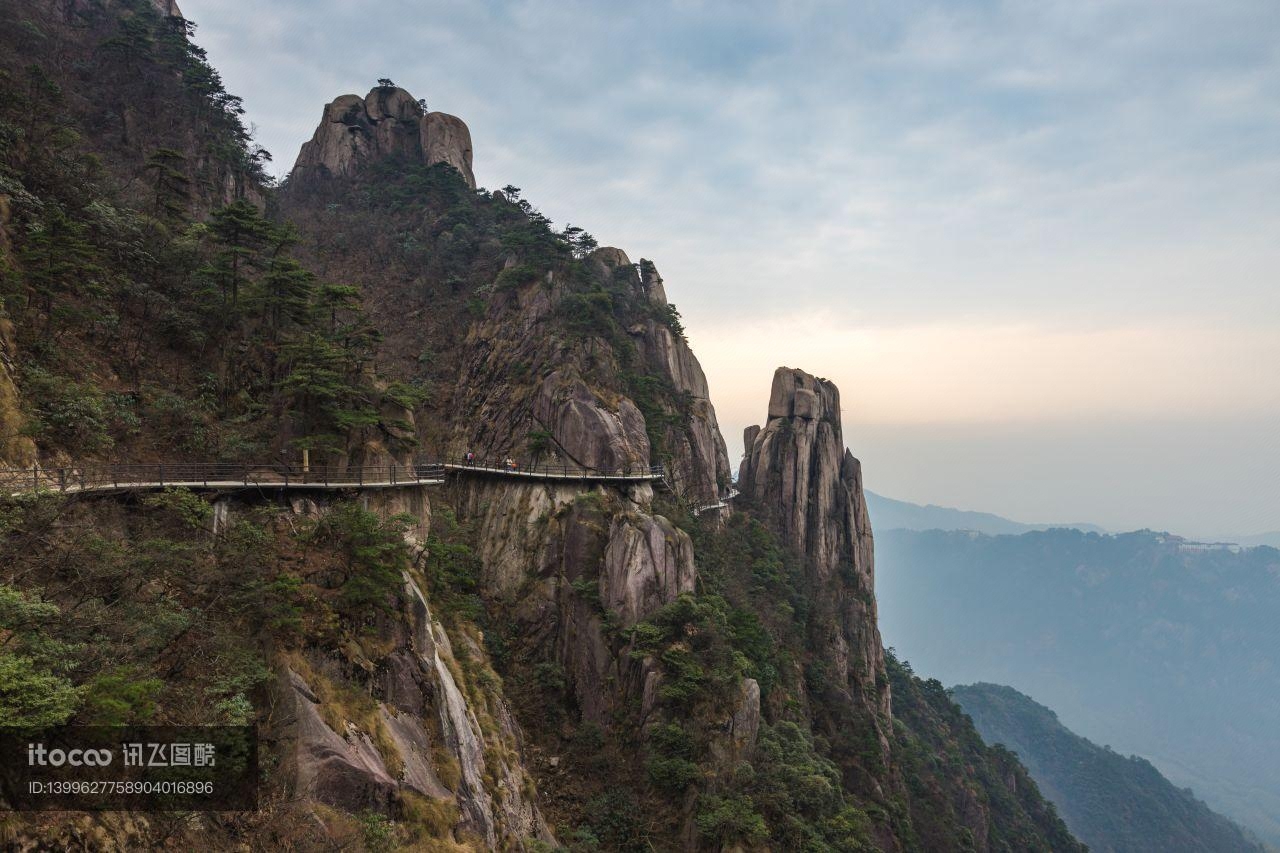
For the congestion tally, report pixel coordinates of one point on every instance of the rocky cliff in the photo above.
(802, 478)
(386, 123)
(587, 398)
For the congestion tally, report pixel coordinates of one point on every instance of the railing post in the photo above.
(160, 469)
(35, 478)
(360, 474)
(245, 471)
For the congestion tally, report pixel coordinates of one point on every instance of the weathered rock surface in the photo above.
(446, 737)
(798, 472)
(699, 461)
(738, 735)
(544, 545)
(585, 429)
(330, 768)
(446, 139)
(411, 501)
(500, 811)
(647, 563)
(388, 122)
(168, 8)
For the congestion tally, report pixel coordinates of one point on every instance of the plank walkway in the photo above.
(98, 477)
(720, 504)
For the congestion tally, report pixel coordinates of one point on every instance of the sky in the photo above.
(1034, 242)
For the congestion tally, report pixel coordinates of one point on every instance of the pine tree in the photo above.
(172, 188)
(286, 291)
(239, 232)
(57, 259)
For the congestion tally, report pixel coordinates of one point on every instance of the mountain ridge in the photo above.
(1110, 802)
(894, 513)
(1137, 641)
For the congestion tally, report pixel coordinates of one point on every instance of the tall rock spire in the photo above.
(799, 474)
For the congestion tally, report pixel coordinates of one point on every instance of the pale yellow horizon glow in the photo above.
(982, 372)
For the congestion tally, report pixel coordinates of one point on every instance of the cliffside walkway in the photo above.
(650, 474)
(220, 476)
(723, 503)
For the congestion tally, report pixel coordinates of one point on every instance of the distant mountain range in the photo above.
(1112, 803)
(1156, 645)
(1271, 539)
(892, 514)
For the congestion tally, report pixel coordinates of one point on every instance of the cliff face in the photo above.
(588, 416)
(388, 122)
(801, 477)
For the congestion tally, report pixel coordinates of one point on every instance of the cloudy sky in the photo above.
(1035, 242)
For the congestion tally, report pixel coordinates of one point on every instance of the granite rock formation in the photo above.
(587, 420)
(388, 122)
(804, 481)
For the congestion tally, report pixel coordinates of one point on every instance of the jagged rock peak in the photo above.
(797, 470)
(797, 394)
(387, 122)
(646, 279)
(797, 467)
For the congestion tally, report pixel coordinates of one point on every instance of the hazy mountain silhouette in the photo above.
(1149, 642)
(1110, 802)
(889, 514)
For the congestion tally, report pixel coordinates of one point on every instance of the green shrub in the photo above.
(32, 696)
(378, 832)
(729, 820)
(191, 509)
(672, 775)
(612, 820)
(120, 696)
(77, 417)
(451, 567)
(374, 556)
(513, 277)
(538, 442)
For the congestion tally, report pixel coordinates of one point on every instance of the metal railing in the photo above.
(91, 477)
(556, 471)
(134, 475)
(720, 503)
